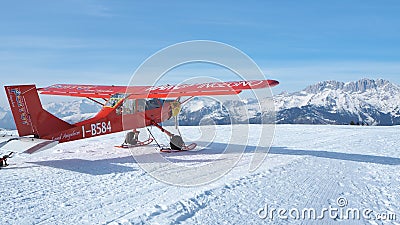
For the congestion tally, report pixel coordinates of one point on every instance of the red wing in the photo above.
(170, 91)
(205, 89)
(90, 91)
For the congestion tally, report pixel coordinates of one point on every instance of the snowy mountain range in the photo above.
(372, 102)
(375, 102)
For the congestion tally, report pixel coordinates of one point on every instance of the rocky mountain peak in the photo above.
(323, 85)
(359, 86)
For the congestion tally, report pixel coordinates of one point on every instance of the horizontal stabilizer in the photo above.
(24, 144)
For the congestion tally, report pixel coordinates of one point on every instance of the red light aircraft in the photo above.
(124, 108)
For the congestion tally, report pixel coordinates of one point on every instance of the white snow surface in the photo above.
(92, 182)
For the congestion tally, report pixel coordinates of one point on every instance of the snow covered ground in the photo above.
(308, 167)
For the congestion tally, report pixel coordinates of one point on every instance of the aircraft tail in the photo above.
(29, 115)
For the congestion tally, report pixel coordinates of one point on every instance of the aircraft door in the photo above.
(129, 107)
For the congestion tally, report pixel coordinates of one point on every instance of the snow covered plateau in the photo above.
(343, 168)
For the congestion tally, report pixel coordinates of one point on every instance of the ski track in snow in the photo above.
(91, 182)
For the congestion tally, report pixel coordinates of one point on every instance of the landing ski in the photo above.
(3, 159)
(184, 148)
(140, 143)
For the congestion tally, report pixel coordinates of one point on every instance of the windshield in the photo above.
(115, 99)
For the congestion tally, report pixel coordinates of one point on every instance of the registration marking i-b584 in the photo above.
(97, 128)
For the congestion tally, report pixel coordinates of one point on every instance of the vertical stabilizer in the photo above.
(29, 115)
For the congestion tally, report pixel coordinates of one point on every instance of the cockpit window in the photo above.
(129, 106)
(147, 104)
(154, 103)
(115, 99)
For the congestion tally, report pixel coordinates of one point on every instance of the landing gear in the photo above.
(132, 140)
(176, 142)
(3, 160)
(132, 137)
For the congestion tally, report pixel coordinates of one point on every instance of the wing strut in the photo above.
(94, 100)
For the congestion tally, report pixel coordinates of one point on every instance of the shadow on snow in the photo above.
(113, 165)
(384, 160)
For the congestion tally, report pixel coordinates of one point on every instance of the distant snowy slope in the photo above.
(6, 120)
(65, 109)
(204, 110)
(74, 111)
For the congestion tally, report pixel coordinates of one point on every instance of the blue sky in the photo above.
(103, 42)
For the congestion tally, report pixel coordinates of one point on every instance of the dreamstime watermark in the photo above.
(339, 212)
(227, 154)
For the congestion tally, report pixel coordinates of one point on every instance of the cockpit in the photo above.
(115, 99)
(130, 106)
